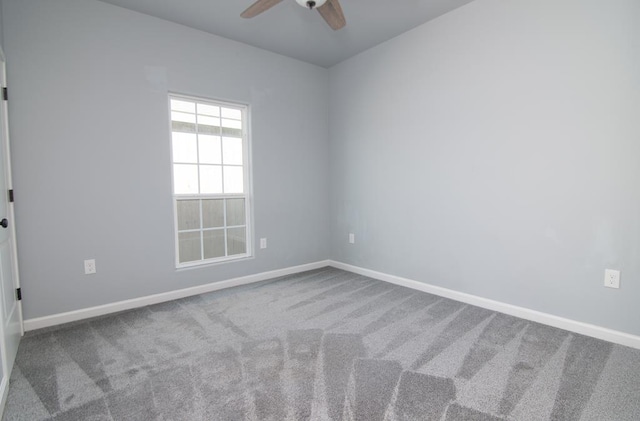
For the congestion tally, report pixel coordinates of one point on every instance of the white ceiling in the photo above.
(293, 31)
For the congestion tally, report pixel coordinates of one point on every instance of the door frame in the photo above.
(7, 366)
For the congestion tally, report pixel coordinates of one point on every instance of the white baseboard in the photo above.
(524, 313)
(85, 313)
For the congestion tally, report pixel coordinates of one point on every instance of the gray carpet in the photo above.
(321, 345)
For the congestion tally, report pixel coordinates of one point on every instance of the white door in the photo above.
(10, 306)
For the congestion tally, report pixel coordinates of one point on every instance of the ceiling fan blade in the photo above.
(331, 11)
(259, 7)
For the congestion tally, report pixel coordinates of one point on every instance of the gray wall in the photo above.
(1, 25)
(495, 151)
(89, 132)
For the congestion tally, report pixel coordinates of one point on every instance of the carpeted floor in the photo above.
(321, 345)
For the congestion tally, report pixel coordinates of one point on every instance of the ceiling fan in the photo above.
(330, 10)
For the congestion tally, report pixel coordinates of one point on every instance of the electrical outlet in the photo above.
(352, 238)
(89, 266)
(263, 243)
(612, 278)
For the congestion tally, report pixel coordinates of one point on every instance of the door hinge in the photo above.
(11, 196)
(19, 294)
(5, 94)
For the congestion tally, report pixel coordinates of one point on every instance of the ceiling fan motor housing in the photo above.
(311, 4)
(330, 10)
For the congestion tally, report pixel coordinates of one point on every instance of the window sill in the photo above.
(206, 263)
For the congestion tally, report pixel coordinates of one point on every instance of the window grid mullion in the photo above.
(197, 146)
(224, 210)
(221, 154)
(201, 230)
(201, 223)
(209, 196)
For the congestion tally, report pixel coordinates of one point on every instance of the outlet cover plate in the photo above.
(90, 266)
(612, 278)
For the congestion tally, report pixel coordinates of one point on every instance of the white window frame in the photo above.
(247, 187)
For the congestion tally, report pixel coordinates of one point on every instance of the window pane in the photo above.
(188, 214)
(236, 241)
(185, 148)
(213, 213)
(209, 110)
(186, 106)
(205, 129)
(209, 149)
(231, 132)
(210, 179)
(232, 124)
(208, 121)
(184, 117)
(235, 212)
(213, 244)
(232, 150)
(189, 246)
(177, 126)
(185, 179)
(231, 113)
(233, 180)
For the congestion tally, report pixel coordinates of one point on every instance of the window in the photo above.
(209, 145)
